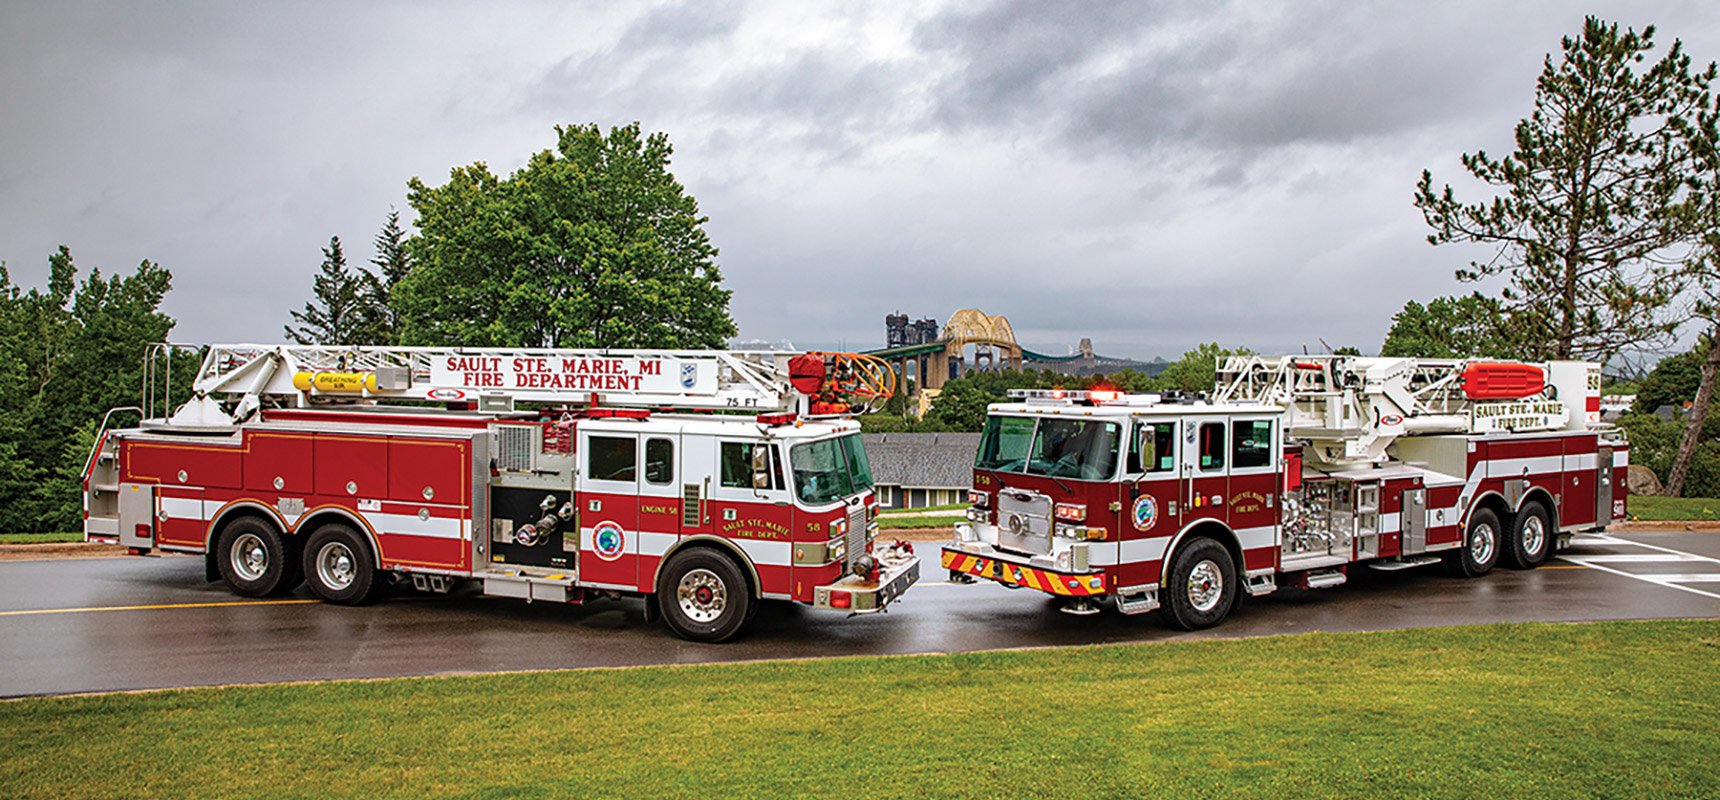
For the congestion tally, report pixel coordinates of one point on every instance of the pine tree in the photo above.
(1580, 223)
(382, 325)
(337, 311)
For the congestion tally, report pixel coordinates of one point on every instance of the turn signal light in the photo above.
(841, 599)
(1071, 512)
(978, 499)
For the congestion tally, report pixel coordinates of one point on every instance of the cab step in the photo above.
(1395, 564)
(1262, 584)
(1138, 603)
(555, 588)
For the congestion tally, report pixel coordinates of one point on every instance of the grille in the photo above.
(514, 451)
(690, 505)
(856, 533)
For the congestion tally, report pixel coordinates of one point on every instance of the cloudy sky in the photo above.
(1147, 174)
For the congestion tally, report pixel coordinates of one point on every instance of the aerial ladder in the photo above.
(1352, 408)
(235, 381)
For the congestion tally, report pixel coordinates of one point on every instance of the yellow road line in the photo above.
(30, 611)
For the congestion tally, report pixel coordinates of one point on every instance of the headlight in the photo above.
(979, 499)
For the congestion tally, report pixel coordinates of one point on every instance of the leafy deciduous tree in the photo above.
(590, 244)
(1466, 326)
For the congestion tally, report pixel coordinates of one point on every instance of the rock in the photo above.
(1642, 480)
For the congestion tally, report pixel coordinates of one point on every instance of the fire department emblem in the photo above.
(608, 540)
(1145, 512)
(689, 375)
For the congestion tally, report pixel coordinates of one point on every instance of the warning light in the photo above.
(841, 599)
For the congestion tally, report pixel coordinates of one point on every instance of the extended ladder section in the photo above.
(235, 380)
(1352, 408)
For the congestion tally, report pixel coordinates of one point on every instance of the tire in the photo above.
(339, 566)
(1201, 588)
(1531, 541)
(703, 595)
(255, 559)
(1480, 550)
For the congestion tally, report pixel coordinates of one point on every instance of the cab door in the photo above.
(1251, 508)
(608, 506)
(1206, 478)
(1152, 499)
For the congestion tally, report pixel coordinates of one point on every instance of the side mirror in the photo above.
(760, 467)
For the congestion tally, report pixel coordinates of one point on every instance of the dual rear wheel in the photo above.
(257, 560)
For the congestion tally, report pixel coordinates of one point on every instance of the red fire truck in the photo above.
(1296, 471)
(704, 481)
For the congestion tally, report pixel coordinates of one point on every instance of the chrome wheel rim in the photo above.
(250, 557)
(1534, 535)
(1205, 586)
(702, 595)
(1481, 543)
(336, 565)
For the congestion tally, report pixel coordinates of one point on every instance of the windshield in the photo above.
(1061, 448)
(830, 469)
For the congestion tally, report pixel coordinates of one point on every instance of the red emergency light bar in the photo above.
(776, 419)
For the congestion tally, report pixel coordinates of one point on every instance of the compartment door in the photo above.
(137, 515)
(1603, 486)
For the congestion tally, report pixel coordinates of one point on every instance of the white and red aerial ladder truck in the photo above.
(1296, 470)
(704, 481)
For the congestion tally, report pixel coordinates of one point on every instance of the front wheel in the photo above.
(1201, 587)
(703, 595)
(254, 559)
(1531, 541)
(339, 566)
(1480, 550)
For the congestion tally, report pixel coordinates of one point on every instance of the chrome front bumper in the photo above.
(898, 568)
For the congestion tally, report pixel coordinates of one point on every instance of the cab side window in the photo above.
(1251, 443)
(611, 458)
(1211, 443)
(1154, 447)
(735, 465)
(659, 461)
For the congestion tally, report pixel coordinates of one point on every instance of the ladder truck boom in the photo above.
(235, 379)
(1352, 408)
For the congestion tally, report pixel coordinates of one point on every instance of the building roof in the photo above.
(931, 460)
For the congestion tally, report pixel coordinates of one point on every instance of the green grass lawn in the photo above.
(946, 507)
(1645, 507)
(1622, 709)
(914, 523)
(39, 538)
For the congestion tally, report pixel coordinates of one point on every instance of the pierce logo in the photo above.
(1391, 419)
(1145, 513)
(446, 394)
(608, 540)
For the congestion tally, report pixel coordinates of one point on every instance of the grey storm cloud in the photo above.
(1147, 174)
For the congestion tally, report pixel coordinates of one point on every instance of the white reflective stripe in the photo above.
(1586, 461)
(1514, 467)
(1390, 522)
(1252, 538)
(766, 553)
(1621, 458)
(1139, 549)
(411, 525)
(182, 508)
(656, 544)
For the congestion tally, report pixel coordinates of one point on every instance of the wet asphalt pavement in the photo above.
(74, 625)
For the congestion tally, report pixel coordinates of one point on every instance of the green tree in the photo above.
(1466, 326)
(961, 403)
(590, 244)
(1672, 382)
(69, 354)
(393, 263)
(1197, 370)
(1698, 219)
(1582, 204)
(340, 310)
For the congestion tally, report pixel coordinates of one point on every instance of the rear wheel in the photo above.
(339, 566)
(254, 559)
(1201, 587)
(1480, 550)
(1531, 541)
(704, 596)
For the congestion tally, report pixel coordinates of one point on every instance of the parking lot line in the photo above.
(35, 611)
(1665, 555)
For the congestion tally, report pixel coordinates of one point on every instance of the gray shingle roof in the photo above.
(932, 460)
